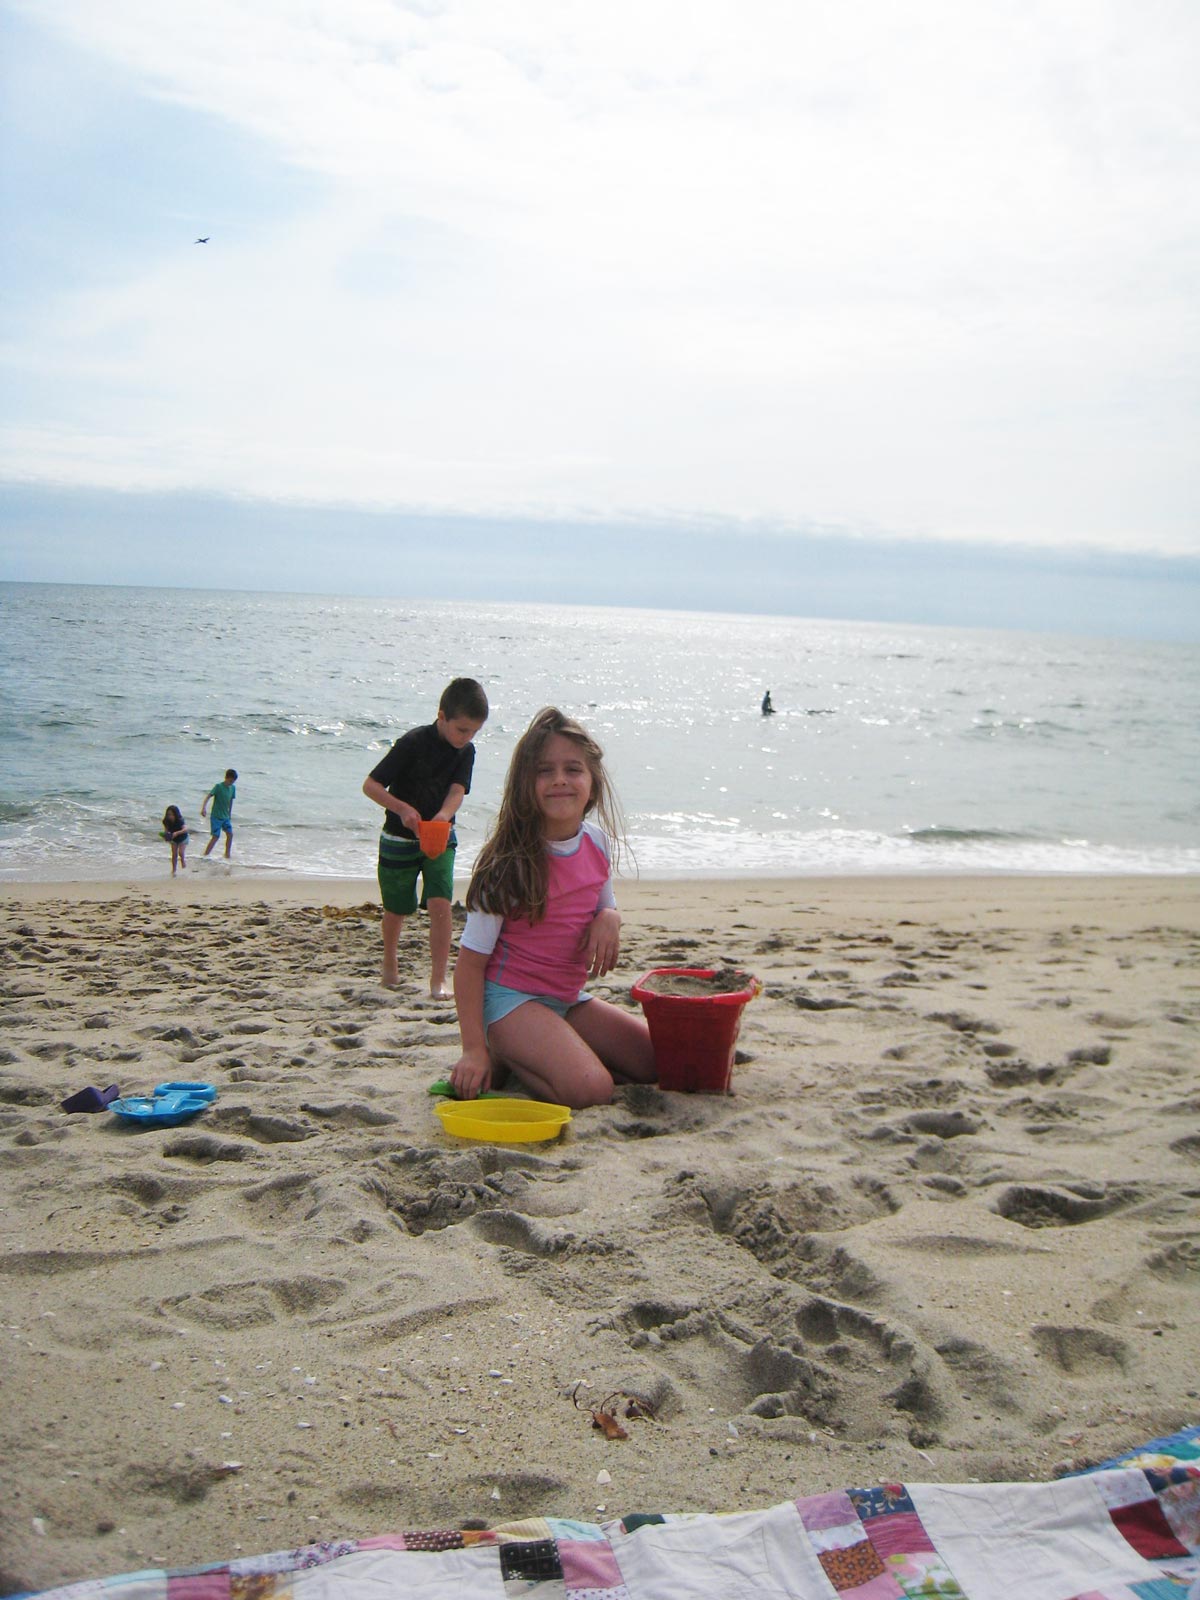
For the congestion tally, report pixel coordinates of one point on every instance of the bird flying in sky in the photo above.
(205, 239)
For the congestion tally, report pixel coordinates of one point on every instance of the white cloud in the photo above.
(927, 269)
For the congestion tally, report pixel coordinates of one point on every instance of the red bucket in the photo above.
(693, 1035)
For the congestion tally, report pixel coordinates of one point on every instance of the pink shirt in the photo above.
(547, 957)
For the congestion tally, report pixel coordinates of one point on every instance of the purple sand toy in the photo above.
(90, 1099)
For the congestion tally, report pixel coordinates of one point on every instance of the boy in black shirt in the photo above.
(424, 777)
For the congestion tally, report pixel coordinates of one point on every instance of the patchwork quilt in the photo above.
(1128, 1530)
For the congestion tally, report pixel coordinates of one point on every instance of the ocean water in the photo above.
(894, 749)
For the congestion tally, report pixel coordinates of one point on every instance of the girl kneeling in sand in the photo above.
(541, 919)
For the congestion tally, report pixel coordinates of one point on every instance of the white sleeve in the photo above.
(480, 932)
(607, 899)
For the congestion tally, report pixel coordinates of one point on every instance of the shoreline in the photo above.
(943, 1230)
(239, 884)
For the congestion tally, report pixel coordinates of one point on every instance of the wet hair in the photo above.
(512, 873)
(172, 817)
(463, 697)
(230, 775)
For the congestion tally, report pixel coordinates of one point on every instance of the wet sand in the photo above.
(945, 1228)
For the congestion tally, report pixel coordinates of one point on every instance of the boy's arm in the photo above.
(409, 815)
(472, 1072)
(204, 803)
(455, 795)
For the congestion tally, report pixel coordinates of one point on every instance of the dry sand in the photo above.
(946, 1228)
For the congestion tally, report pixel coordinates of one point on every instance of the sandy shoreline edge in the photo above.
(1057, 892)
(944, 1229)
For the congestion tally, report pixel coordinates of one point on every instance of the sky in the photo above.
(866, 310)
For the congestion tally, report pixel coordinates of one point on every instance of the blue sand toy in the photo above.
(169, 1105)
(206, 1091)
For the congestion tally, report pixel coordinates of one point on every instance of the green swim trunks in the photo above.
(401, 863)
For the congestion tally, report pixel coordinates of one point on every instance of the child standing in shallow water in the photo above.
(541, 919)
(222, 796)
(174, 830)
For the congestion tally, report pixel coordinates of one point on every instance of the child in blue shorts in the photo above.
(424, 777)
(221, 822)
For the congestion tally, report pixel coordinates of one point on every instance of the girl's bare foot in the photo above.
(390, 980)
(439, 991)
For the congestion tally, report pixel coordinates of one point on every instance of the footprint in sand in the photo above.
(1015, 1074)
(530, 1237)
(521, 1495)
(432, 1189)
(256, 1303)
(700, 1359)
(786, 1229)
(206, 1147)
(837, 1366)
(180, 1483)
(942, 1124)
(962, 1023)
(1081, 1352)
(1036, 1207)
(261, 1126)
(280, 1198)
(349, 1114)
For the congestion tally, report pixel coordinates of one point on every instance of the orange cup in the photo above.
(433, 837)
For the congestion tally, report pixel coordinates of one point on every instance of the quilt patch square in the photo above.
(259, 1585)
(643, 1519)
(433, 1539)
(902, 1533)
(1181, 1507)
(1157, 1589)
(819, 1511)
(211, 1585)
(1147, 1530)
(535, 1559)
(1125, 1486)
(589, 1564)
(925, 1576)
(852, 1565)
(883, 1588)
(881, 1501)
(840, 1538)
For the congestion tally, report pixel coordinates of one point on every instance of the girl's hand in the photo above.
(472, 1074)
(602, 942)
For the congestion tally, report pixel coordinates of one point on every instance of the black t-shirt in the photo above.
(419, 769)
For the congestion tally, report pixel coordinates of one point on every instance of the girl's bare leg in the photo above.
(550, 1057)
(620, 1039)
(573, 1060)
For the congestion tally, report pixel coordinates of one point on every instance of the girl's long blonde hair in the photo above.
(511, 871)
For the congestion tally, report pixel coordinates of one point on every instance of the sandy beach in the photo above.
(945, 1228)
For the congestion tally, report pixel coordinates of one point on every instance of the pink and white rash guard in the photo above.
(547, 957)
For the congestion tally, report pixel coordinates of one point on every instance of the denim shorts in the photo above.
(499, 1000)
